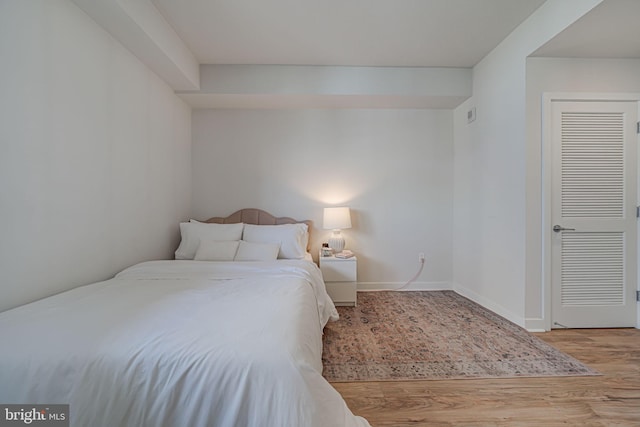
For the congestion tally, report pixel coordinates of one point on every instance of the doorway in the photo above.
(592, 233)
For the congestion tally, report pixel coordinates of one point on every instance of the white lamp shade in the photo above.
(336, 218)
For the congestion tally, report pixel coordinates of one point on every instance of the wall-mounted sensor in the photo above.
(471, 115)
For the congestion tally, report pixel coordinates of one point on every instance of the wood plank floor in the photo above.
(612, 399)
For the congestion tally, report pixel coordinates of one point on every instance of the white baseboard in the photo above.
(488, 304)
(392, 286)
(535, 324)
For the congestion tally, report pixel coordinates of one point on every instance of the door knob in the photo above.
(559, 228)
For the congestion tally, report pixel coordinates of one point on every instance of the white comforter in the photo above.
(179, 343)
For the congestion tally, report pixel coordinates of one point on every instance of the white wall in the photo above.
(335, 80)
(95, 154)
(302, 87)
(142, 29)
(392, 167)
(490, 190)
(559, 75)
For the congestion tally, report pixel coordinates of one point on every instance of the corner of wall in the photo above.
(490, 305)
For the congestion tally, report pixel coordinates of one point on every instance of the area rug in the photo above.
(434, 335)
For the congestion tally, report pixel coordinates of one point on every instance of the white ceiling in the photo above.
(425, 33)
(610, 30)
(373, 33)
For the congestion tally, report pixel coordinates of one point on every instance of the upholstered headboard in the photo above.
(258, 217)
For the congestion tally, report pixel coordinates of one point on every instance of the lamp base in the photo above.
(336, 242)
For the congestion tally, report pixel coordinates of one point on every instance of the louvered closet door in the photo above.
(593, 211)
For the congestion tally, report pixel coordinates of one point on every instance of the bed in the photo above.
(207, 341)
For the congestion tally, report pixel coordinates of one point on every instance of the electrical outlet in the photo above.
(421, 257)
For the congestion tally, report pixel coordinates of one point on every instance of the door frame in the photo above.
(547, 99)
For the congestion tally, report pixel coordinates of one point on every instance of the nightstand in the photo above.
(340, 277)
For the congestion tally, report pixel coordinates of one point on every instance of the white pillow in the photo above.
(216, 250)
(292, 238)
(200, 222)
(250, 251)
(193, 232)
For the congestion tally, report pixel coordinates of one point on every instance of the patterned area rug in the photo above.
(430, 335)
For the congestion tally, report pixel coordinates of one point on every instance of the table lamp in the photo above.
(336, 219)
